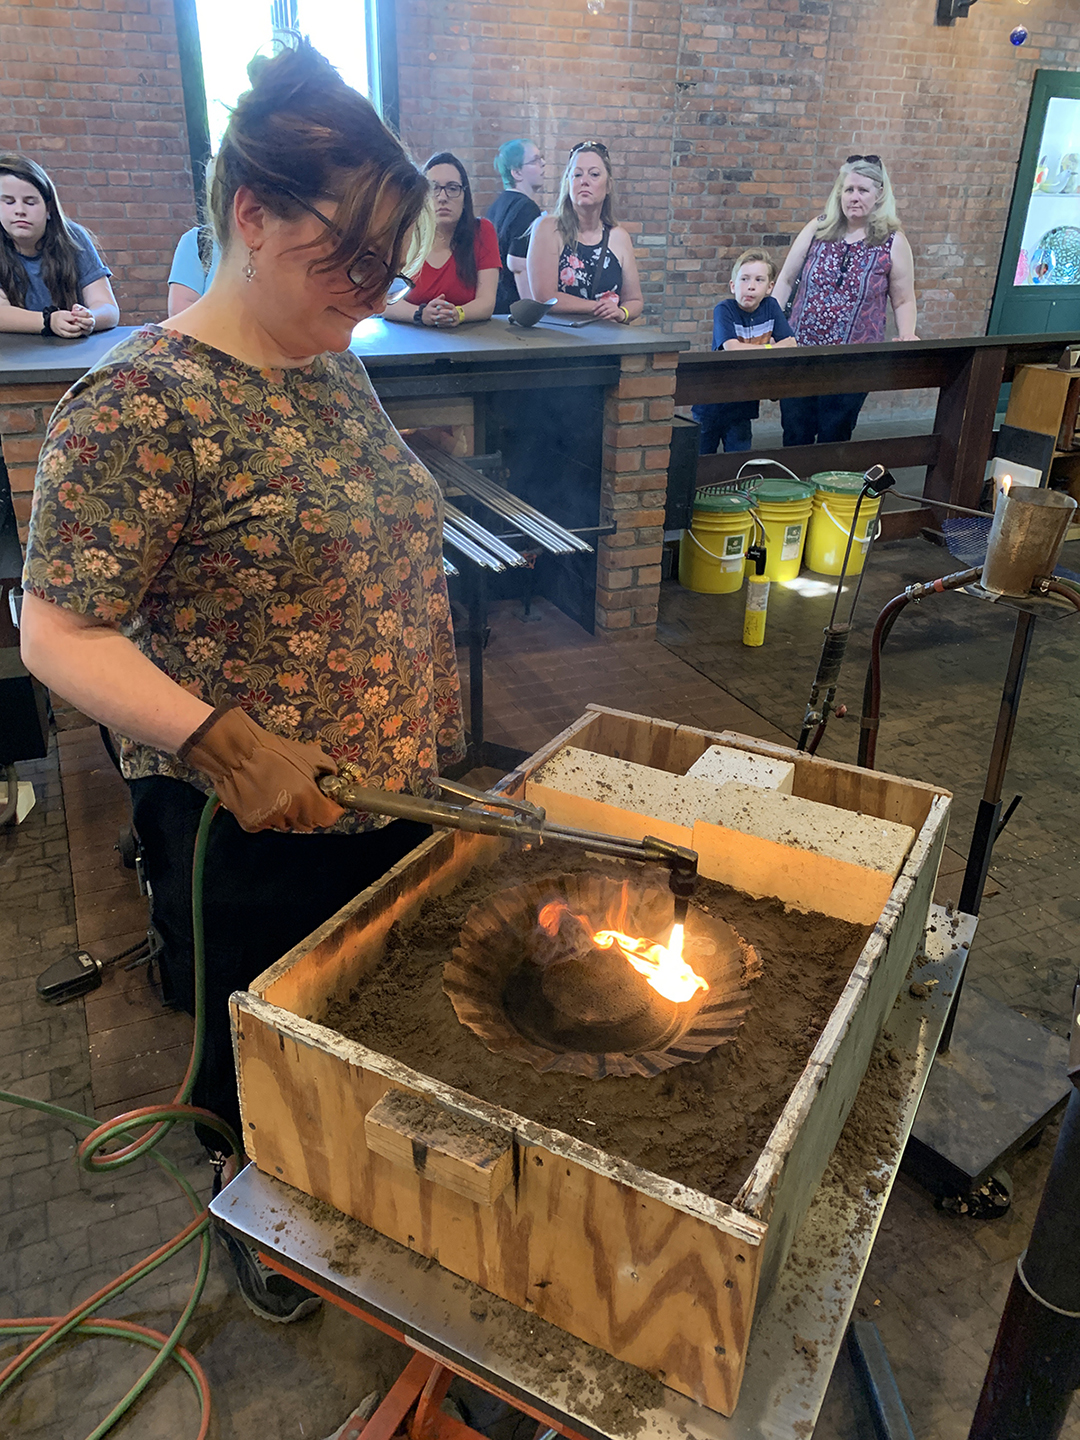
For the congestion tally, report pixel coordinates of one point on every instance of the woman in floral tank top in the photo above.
(235, 562)
(847, 263)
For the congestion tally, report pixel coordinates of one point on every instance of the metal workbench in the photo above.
(452, 1320)
(491, 351)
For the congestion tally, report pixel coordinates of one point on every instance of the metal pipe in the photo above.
(871, 713)
(527, 824)
(453, 536)
(533, 522)
(475, 531)
(1048, 586)
(918, 501)
(988, 815)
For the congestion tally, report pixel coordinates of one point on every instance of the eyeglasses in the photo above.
(368, 272)
(844, 263)
(451, 191)
(597, 145)
(870, 159)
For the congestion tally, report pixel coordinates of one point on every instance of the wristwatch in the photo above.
(418, 314)
(48, 311)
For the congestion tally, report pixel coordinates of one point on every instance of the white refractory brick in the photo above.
(722, 763)
(676, 798)
(807, 825)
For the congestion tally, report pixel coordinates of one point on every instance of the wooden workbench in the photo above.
(967, 373)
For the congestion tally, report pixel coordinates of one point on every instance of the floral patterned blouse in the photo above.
(843, 292)
(266, 538)
(577, 271)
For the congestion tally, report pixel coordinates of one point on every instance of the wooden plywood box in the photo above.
(657, 1274)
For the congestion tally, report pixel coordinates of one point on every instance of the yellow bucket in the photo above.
(835, 497)
(712, 551)
(782, 509)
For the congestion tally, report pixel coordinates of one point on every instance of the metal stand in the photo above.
(999, 1078)
(481, 752)
(988, 824)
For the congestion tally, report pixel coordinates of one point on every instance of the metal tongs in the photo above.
(525, 823)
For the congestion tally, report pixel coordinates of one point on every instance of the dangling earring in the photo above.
(249, 268)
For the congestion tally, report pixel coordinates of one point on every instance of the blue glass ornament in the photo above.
(1043, 265)
(1019, 36)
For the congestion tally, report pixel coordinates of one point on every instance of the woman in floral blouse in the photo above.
(235, 562)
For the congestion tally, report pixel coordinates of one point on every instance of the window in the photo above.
(231, 33)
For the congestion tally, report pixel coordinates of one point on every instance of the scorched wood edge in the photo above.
(655, 1273)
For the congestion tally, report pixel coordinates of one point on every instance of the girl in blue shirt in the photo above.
(52, 280)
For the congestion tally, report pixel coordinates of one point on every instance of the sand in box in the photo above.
(701, 1124)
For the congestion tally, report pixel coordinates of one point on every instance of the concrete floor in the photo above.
(935, 1284)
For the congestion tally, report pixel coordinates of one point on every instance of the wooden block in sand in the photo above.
(451, 1150)
(722, 763)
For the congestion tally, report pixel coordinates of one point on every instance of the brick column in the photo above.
(633, 489)
(25, 411)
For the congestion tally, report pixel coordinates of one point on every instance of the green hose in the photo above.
(160, 1119)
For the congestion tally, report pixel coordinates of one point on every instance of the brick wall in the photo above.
(90, 89)
(727, 121)
(633, 488)
(25, 411)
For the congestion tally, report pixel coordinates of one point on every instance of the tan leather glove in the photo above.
(266, 781)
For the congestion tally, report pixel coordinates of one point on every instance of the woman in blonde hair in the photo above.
(580, 254)
(848, 264)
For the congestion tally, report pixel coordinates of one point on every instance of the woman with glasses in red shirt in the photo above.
(460, 275)
(849, 264)
(580, 254)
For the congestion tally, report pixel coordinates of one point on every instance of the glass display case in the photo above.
(1038, 286)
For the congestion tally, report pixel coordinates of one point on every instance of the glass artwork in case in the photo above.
(1050, 244)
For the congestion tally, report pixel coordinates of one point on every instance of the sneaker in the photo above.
(271, 1295)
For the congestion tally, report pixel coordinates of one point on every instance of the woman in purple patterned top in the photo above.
(848, 263)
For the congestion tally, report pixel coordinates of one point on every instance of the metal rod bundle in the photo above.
(532, 522)
(459, 523)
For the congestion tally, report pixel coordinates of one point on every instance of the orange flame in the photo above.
(662, 965)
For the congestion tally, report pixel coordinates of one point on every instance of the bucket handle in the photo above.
(869, 540)
(709, 552)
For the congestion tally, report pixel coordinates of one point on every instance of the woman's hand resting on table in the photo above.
(439, 313)
(72, 324)
(608, 307)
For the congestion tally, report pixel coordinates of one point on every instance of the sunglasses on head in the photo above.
(597, 145)
(870, 159)
(368, 272)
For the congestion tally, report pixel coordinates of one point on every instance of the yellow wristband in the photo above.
(626, 313)
(460, 313)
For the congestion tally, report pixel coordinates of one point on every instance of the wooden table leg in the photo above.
(965, 423)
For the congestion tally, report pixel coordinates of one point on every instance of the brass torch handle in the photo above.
(427, 812)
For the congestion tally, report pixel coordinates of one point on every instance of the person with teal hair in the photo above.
(520, 166)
